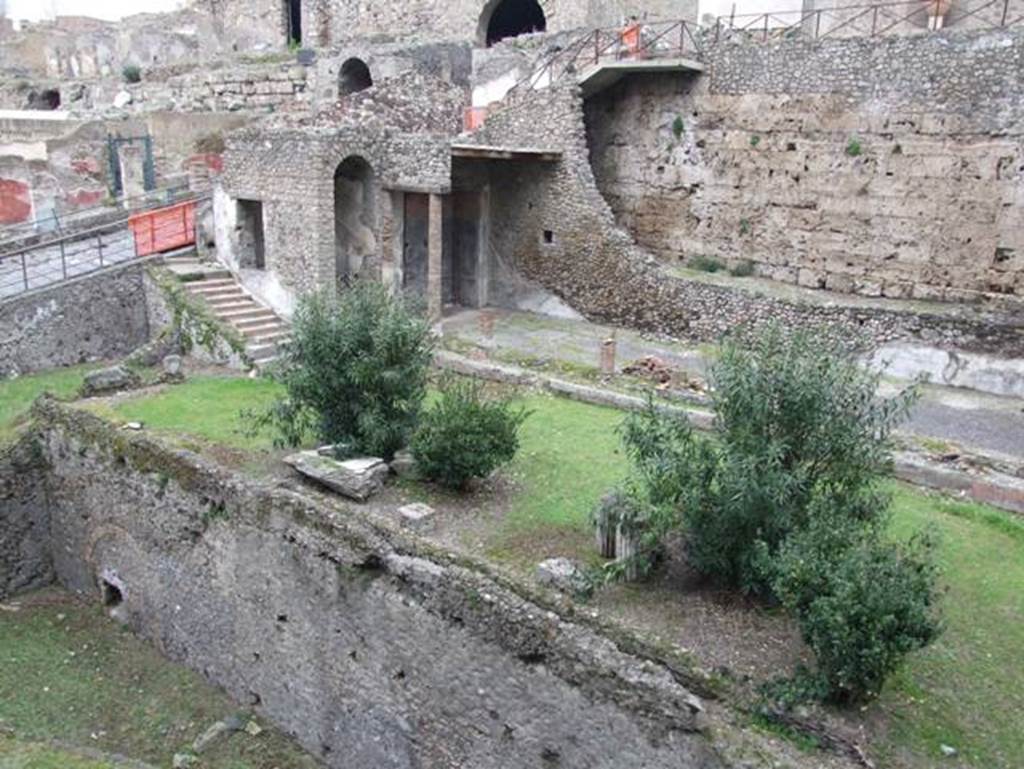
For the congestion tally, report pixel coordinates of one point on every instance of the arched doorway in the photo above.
(355, 216)
(502, 19)
(354, 77)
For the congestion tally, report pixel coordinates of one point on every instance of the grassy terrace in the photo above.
(966, 691)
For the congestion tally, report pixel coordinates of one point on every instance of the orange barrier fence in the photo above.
(164, 229)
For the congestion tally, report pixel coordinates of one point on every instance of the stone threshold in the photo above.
(981, 484)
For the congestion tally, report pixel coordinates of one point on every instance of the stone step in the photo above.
(211, 282)
(267, 329)
(242, 313)
(266, 318)
(215, 289)
(223, 296)
(275, 339)
(262, 353)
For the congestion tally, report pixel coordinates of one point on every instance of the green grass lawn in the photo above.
(17, 395)
(207, 407)
(966, 691)
(72, 675)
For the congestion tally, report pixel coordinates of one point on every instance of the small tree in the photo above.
(131, 73)
(466, 435)
(786, 500)
(355, 372)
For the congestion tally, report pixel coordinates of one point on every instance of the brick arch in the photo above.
(513, 17)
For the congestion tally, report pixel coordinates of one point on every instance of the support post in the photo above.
(435, 250)
(483, 265)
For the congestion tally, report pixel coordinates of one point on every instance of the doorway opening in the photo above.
(293, 22)
(355, 217)
(251, 243)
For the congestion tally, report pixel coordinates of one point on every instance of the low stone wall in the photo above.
(370, 645)
(97, 317)
(231, 89)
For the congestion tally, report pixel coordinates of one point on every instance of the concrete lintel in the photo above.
(486, 152)
(606, 74)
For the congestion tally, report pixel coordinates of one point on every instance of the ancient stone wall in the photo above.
(561, 233)
(371, 646)
(97, 317)
(334, 20)
(255, 88)
(888, 166)
(25, 560)
(400, 127)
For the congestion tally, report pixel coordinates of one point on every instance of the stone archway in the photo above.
(355, 216)
(353, 77)
(503, 19)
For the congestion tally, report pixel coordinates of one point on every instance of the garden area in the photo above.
(794, 569)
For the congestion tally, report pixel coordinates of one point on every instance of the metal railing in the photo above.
(658, 40)
(872, 19)
(72, 256)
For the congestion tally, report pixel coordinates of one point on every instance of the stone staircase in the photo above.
(264, 331)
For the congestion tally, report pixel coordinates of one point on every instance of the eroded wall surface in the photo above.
(25, 561)
(880, 166)
(99, 317)
(368, 645)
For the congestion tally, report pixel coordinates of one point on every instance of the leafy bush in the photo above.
(755, 140)
(854, 148)
(355, 372)
(742, 269)
(786, 500)
(465, 434)
(705, 264)
(862, 606)
(678, 127)
(131, 73)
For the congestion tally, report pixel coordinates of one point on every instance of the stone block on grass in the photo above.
(109, 380)
(417, 516)
(357, 479)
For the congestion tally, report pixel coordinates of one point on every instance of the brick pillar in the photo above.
(435, 248)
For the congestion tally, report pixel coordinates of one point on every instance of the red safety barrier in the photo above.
(164, 229)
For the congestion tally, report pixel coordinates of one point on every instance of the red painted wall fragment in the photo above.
(15, 201)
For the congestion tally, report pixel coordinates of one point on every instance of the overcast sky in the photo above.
(104, 9)
(115, 9)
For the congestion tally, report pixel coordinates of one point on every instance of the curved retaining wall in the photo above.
(370, 645)
(598, 268)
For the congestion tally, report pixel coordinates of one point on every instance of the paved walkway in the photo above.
(51, 264)
(981, 423)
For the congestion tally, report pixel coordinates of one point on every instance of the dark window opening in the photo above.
(549, 236)
(48, 99)
(112, 596)
(354, 77)
(293, 17)
(511, 18)
(251, 242)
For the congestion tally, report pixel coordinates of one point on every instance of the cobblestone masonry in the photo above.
(370, 645)
(99, 317)
(400, 127)
(25, 561)
(597, 267)
(890, 167)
